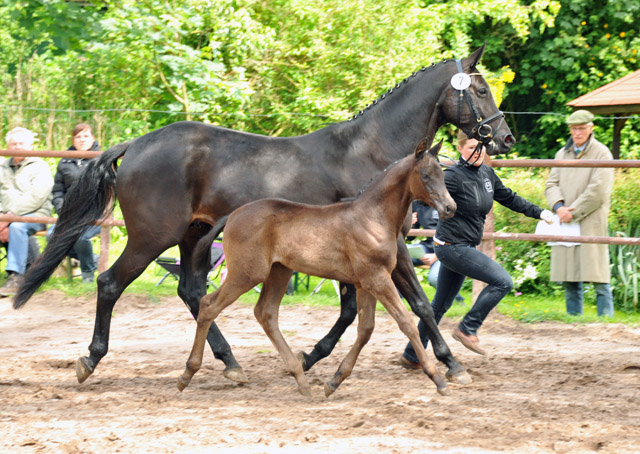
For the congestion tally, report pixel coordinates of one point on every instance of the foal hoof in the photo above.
(235, 374)
(302, 359)
(183, 383)
(444, 390)
(329, 389)
(460, 378)
(305, 391)
(83, 369)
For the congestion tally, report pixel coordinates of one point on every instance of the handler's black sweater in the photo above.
(474, 189)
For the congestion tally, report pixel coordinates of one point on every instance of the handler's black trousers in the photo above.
(458, 262)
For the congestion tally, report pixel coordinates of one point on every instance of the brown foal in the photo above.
(353, 242)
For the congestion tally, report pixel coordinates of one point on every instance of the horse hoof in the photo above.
(235, 374)
(301, 357)
(328, 390)
(460, 378)
(444, 390)
(183, 383)
(83, 369)
(305, 391)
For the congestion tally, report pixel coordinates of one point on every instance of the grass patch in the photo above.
(525, 308)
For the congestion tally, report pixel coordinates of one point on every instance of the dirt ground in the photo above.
(544, 388)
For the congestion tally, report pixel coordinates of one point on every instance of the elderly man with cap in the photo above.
(582, 194)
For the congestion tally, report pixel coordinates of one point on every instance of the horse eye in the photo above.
(482, 91)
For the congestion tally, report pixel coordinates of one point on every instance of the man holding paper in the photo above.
(582, 194)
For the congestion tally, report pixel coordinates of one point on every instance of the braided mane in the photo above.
(397, 86)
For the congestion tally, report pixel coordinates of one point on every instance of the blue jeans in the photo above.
(434, 271)
(574, 298)
(83, 249)
(458, 262)
(18, 249)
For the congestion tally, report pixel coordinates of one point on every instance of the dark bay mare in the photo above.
(266, 240)
(175, 183)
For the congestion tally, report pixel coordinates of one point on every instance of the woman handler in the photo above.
(474, 186)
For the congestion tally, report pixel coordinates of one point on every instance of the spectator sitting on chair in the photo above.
(425, 217)
(25, 190)
(67, 173)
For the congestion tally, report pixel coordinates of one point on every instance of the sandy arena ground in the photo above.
(544, 388)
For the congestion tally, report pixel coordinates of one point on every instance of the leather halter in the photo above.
(482, 130)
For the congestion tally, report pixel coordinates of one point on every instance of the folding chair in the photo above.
(172, 265)
(336, 287)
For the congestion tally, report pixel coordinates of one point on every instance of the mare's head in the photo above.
(469, 105)
(426, 180)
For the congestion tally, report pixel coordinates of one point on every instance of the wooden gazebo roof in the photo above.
(620, 98)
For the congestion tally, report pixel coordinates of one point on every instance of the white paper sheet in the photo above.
(559, 228)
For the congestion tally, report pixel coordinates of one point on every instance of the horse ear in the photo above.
(435, 149)
(475, 57)
(421, 148)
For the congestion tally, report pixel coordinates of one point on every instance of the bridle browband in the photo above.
(482, 130)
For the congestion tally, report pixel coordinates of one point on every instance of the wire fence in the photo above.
(259, 115)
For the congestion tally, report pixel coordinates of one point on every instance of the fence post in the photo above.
(105, 240)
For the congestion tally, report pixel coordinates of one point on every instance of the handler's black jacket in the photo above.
(67, 173)
(474, 189)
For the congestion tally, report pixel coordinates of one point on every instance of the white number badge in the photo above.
(461, 81)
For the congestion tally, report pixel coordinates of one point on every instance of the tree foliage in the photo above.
(278, 67)
(590, 44)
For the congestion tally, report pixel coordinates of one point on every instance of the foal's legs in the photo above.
(366, 322)
(210, 306)
(386, 293)
(326, 345)
(266, 312)
(194, 268)
(404, 278)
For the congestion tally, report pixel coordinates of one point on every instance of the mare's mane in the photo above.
(399, 85)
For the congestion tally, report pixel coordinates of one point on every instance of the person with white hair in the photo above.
(25, 190)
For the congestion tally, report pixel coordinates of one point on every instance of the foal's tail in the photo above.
(203, 247)
(86, 202)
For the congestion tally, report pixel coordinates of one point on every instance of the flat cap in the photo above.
(580, 117)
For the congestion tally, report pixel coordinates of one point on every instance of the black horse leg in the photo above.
(111, 284)
(348, 312)
(405, 279)
(194, 268)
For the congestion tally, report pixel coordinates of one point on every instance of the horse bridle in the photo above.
(482, 130)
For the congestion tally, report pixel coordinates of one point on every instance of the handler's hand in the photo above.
(429, 259)
(547, 216)
(4, 233)
(564, 213)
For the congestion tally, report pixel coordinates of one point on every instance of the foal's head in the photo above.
(427, 180)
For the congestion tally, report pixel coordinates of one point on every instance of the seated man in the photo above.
(25, 190)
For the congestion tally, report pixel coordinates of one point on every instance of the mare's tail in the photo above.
(85, 203)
